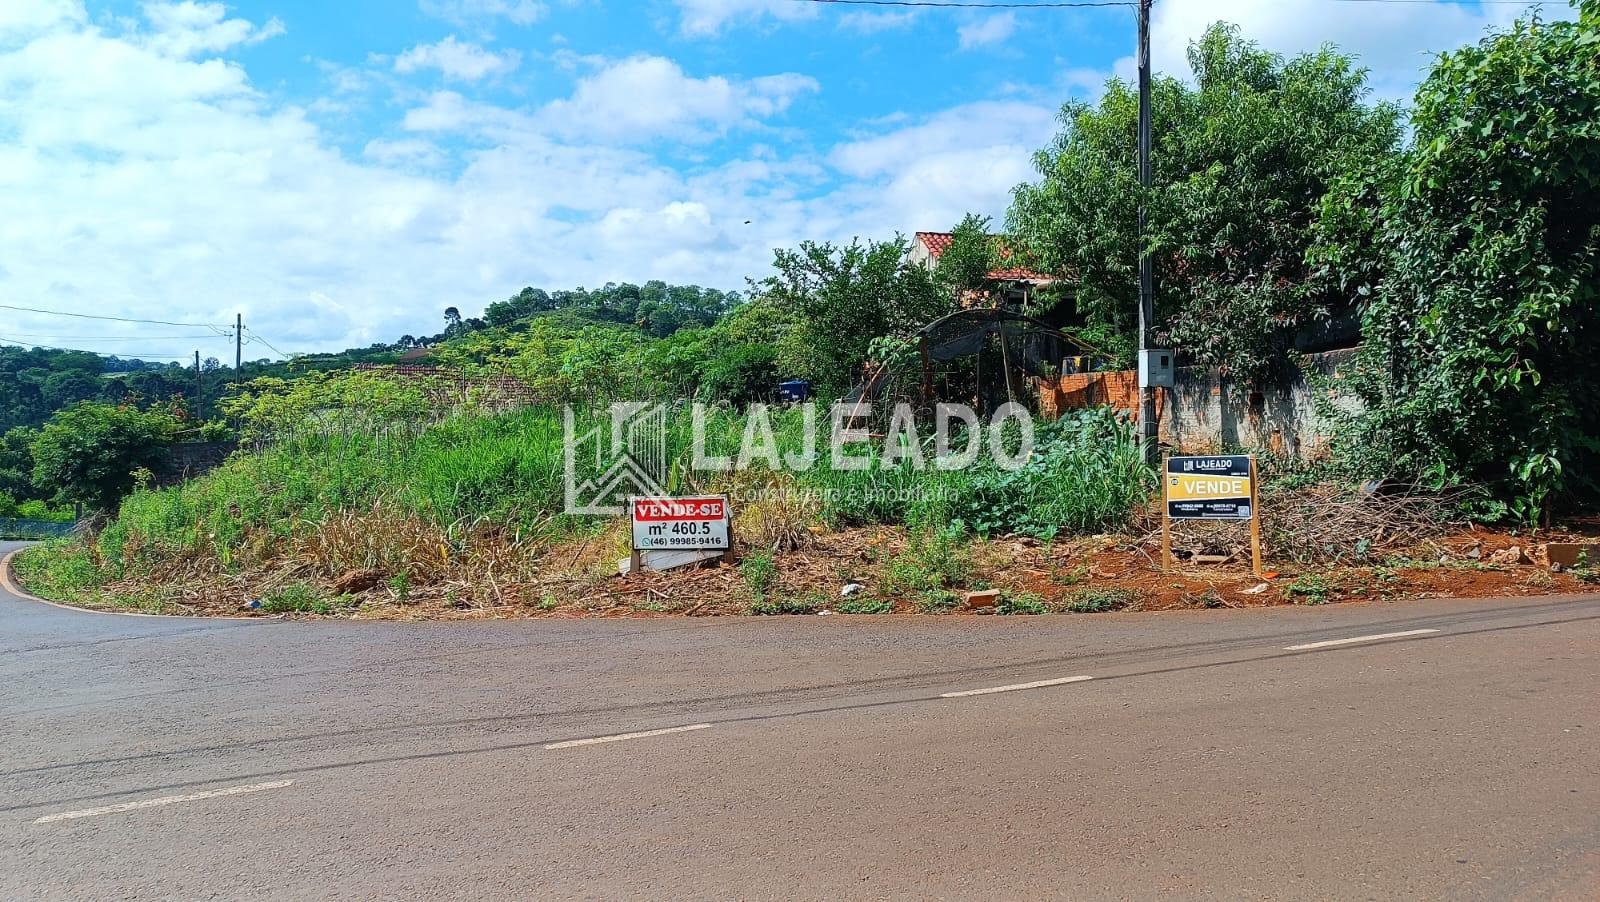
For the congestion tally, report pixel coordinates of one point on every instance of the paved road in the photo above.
(1202, 760)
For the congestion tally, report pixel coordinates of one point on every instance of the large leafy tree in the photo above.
(92, 452)
(1241, 160)
(1480, 250)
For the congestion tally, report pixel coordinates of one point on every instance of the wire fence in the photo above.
(15, 528)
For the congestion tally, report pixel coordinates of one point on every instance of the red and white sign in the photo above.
(696, 523)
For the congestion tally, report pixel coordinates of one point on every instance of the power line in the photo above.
(155, 355)
(956, 4)
(118, 319)
(107, 338)
(256, 336)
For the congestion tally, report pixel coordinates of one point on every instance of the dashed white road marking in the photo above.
(1354, 639)
(1038, 684)
(156, 803)
(642, 734)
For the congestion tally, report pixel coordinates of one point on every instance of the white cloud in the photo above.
(464, 13)
(966, 159)
(992, 29)
(163, 186)
(708, 17)
(643, 97)
(1395, 40)
(188, 28)
(459, 60)
(25, 18)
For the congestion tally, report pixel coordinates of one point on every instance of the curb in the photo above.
(8, 582)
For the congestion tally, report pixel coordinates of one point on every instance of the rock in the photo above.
(982, 598)
(851, 590)
(357, 581)
(1512, 555)
(1474, 552)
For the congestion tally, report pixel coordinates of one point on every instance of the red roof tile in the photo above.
(938, 242)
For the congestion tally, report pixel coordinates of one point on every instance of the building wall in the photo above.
(1205, 411)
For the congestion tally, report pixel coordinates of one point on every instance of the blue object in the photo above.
(794, 390)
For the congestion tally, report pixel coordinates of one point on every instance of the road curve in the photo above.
(1442, 748)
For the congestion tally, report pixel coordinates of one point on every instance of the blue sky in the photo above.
(342, 172)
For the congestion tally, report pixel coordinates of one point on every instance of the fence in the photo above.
(14, 528)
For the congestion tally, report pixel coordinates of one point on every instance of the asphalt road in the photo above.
(808, 757)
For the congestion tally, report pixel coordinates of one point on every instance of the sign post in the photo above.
(1211, 488)
(672, 532)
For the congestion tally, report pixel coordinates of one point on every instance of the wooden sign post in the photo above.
(1210, 488)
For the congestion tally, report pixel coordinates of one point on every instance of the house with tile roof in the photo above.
(1012, 285)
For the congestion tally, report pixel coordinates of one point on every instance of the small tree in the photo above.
(91, 452)
(965, 265)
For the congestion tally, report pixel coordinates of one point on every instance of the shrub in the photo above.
(864, 604)
(759, 572)
(1021, 603)
(808, 604)
(1097, 601)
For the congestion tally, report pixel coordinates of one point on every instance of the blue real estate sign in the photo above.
(1209, 488)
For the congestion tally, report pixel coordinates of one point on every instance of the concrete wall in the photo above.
(1206, 411)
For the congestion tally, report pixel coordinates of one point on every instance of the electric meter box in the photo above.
(1156, 367)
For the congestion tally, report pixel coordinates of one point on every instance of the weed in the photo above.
(930, 562)
(1021, 603)
(864, 604)
(1584, 571)
(1097, 601)
(400, 585)
(303, 598)
(1310, 588)
(760, 572)
(936, 601)
(548, 602)
(806, 604)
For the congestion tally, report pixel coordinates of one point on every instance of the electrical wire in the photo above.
(107, 338)
(155, 355)
(221, 330)
(958, 4)
(257, 337)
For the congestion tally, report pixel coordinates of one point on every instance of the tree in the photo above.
(1480, 250)
(1241, 163)
(965, 265)
(742, 373)
(91, 452)
(842, 298)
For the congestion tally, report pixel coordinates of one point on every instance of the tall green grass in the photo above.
(505, 472)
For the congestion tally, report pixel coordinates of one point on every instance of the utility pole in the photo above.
(1148, 427)
(238, 345)
(199, 388)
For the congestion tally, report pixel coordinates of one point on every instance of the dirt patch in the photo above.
(896, 573)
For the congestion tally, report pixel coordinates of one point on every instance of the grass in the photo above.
(1097, 601)
(303, 598)
(864, 604)
(426, 503)
(1021, 603)
(806, 604)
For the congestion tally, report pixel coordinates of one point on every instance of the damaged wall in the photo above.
(1206, 411)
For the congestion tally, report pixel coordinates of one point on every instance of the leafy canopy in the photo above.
(1241, 161)
(1479, 249)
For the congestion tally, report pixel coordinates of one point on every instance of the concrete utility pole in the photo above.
(238, 345)
(199, 388)
(1148, 427)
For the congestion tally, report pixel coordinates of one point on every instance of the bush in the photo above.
(864, 604)
(1021, 603)
(1098, 601)
(808, 604)
(742, 374)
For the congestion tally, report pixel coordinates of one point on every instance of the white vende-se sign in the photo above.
(680, 524)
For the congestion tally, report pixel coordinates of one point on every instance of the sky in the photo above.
(340, 173)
